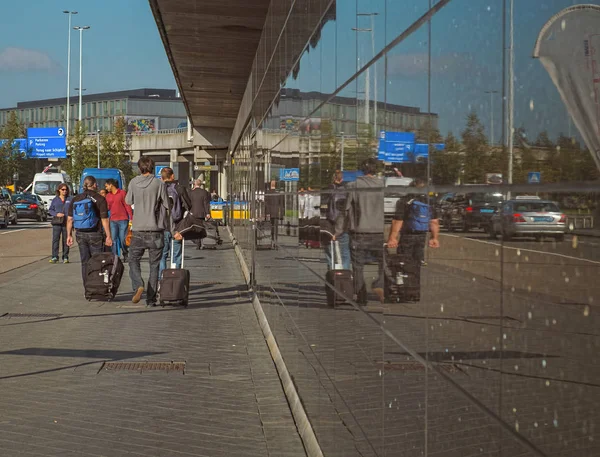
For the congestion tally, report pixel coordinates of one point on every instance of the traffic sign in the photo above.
(396, 146)
(289, 174)
(20, 143)
(47, 142)
(534, 177)
(158, 169)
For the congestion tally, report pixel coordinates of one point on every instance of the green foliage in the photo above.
(447, 164)
(113, 147)
(82, 153)
(11, 161)
(476, 150)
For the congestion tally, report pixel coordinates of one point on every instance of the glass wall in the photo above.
(380, 121)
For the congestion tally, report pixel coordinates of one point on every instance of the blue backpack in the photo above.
(175, 203)
(84, 214)
(418, 216)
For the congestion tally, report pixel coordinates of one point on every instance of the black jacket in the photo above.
(200, 199)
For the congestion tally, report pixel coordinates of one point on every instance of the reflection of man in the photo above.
(365, 208)
(274, 210)
(335, 221)
(413, 219)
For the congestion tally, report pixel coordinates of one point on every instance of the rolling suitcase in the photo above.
(104, 271)
(174, 283)
(342, 280)
(402, 278)
(213, 237)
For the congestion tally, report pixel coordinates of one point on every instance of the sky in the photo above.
(122, 49)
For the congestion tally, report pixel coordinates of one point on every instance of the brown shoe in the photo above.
(138, 295)
(379, 292)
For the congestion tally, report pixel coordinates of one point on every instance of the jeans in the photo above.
(344, 242)
(140, 241)
(118, 232)
(177, 245)
(57, 232)
(366, 248)
(412, 247)
(89, 243)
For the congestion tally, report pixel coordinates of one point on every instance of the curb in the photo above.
(307, 434)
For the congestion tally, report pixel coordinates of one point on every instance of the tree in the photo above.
(82, 153)
(447, 164)
(543, 140)
(113, 147)
(476, 147)
(11, 160)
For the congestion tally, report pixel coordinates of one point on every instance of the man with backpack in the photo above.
(88, 215)
(413, 220)
(179, 203)
(150, 220)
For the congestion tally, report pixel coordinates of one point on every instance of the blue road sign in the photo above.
(158, 169)
(396, 147)
(47, 142)
(534, 177)
(18, 143)
(289, 174)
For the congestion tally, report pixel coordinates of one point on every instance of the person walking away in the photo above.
(413, 219)
(179, 203)
(119, 215)
(364, 205)
(214, 197)
(274, 211)
(335, 221)
(58, 211)
(150, 219)
(88, 215)
(200, 202)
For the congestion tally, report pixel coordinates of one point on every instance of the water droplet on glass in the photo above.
(563, 25)
(514, 410)
(544, 363)
(446, 350)
(586, 311)
(567, 279)
(517, 426)
(547, 383)
(380, 373)
(529, 315)
(390, 406)
(526, 258)
(547, 322)
(518, 252)
(497, 252)
(516, 367)
(313, 345)
(460, 419)
(504, 336)
(574, 242)
(528, 288)
(489, 8)
(512, 289)
(442, 308)
(493, 348)
(535, 424)
(555, 422)
(553, 321)
(531, 106)
(233, 345)
(474, 280)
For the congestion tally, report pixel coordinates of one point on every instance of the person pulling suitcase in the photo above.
(413, 220)
(174, 283)
(340, 278)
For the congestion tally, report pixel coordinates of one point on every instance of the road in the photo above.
(24, 243)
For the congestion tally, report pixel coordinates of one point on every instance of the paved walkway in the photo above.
(61, 399)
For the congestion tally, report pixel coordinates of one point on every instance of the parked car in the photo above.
(30, 206)
(8, 212)
(533, 217)
(468, 211)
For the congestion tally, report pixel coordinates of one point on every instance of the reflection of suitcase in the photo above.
(342, 280)
(174, 284)
(213, 237)
(104, 271)
(402, 278)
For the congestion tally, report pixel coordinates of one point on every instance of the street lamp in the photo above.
(70, 13)
(81, 29)
(367, 74)
(511, 96)
(491, 92)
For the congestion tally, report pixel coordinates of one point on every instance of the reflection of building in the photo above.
(143, 109)
(294, 106)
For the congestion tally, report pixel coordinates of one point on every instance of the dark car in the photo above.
(469, 210)
(30, 206)
(8, 212)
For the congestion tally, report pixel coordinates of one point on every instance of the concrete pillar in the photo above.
(173, 162)
(135, 156)
(222, 180)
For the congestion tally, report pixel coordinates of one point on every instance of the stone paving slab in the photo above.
(58, 402)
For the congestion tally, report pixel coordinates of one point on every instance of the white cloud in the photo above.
(21, 59)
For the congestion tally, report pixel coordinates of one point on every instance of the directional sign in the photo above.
(289, 174)
(534, 177)
(18, 143)
(158, 169)
(396, 146)
(47, 142)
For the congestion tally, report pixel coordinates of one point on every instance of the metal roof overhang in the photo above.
(211, 47)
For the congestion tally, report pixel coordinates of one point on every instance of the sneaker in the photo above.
(65, 260)
(54, 260)
(150, 305)
(138, 295)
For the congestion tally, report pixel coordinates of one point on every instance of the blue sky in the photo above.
(122, 50)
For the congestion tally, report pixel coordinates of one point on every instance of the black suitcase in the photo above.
(213, 237)
(174, 283)
(402, 278)
(341, 280)
(104, 272)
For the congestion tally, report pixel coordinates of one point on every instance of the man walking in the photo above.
(413, 219)
(200, 201)
(365, 208)
(179, 203)
(88, 215)
(120, 215)
(149, 195)
(274, 211)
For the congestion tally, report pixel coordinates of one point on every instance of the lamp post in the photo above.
(511, 95)
(491, 92)
(68, 111)
(368, 73)
(81, 29)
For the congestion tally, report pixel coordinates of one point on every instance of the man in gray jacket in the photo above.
(149, 197)
(365, 211)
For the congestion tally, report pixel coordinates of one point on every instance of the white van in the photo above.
(45, 184)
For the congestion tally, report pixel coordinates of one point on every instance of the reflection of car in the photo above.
(30, 206)
(469, 210)
(534, 218)
(8, 212)
(395, 187)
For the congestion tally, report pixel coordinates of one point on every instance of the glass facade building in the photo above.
(143, 110)
(498, 358)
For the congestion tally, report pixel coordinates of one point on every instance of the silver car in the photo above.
(533, 218)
